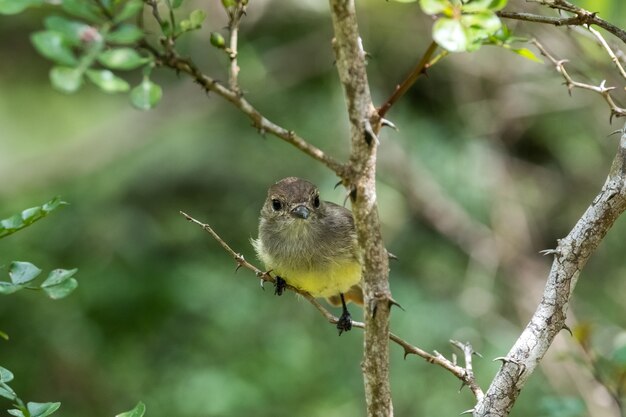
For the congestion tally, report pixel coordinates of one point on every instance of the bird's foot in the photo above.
(345, 322)
(279, 286)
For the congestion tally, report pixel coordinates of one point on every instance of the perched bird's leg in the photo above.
(279, 286)
(345, 321)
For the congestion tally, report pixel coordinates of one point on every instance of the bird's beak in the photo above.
(301, 212)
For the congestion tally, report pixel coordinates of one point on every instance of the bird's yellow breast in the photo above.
(334, 279)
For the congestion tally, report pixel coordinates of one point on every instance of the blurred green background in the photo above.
(160, 314)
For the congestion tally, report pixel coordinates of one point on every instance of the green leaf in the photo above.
(435, 6)
(138, 411)
(526, 53)
(14, 222)
(7, 392)
(122, 59)
(56, 292)
(8, 288)
(131, 8)
(450, 34)
(17, 6)
(58, 276)
(3, 335)
(125, 34)
(146, 95)
(54, 46)
(82, 8)
(197, 17)
(31, 214)
(53, 204)
(107, 81)
(177, 3)
(5, 375)
(65, 79)
(487, 22)
(71, 30)
(15, 412)
(42, 409)
(23, 272)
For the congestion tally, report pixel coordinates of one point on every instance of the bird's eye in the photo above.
(276, 204)
(316, 201)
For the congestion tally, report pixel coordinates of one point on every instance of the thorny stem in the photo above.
(605, 92)
(464, 374)
(581, 17)
(172, 60)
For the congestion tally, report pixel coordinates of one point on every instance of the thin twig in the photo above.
(609, 51)
(155, 12)
(465, 374)
(415, 73)
(581, 17)
(601, 89)
(187, 66)
(235, 15)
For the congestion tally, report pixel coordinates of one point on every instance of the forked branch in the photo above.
(464, 374)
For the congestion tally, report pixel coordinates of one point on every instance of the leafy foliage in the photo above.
(28, 216)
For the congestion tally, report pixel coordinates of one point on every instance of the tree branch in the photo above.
(172, 60)
(464, 374)
(234, 18)
(581, 17)
(364, 123)
(601, 89)
(571, 256)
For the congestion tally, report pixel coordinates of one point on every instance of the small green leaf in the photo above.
(15, 412)
(146, 95)
(5, 375)
(42, 409)
(82, 8)
(53, 204)
(65, 79)
(107, 81)
(487, 22)
(54, 46)
(228, 3)
(125, 34)
(23, 272)
(71, 30)
(177, 3)
(131, 8)
(58, 276)
(137, 411)
(122, 59)
(62, 290)
(31, 214)
(7, 392)
(197, 17)
(450, 34)
(3, 335)
(526, 53)
(8, 288)
(435, 6)
(14, 222)
(17, 6)
(217, 40)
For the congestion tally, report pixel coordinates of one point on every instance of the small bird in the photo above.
(310, 244)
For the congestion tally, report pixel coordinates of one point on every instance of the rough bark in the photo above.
(571, 255)
(360, 179)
